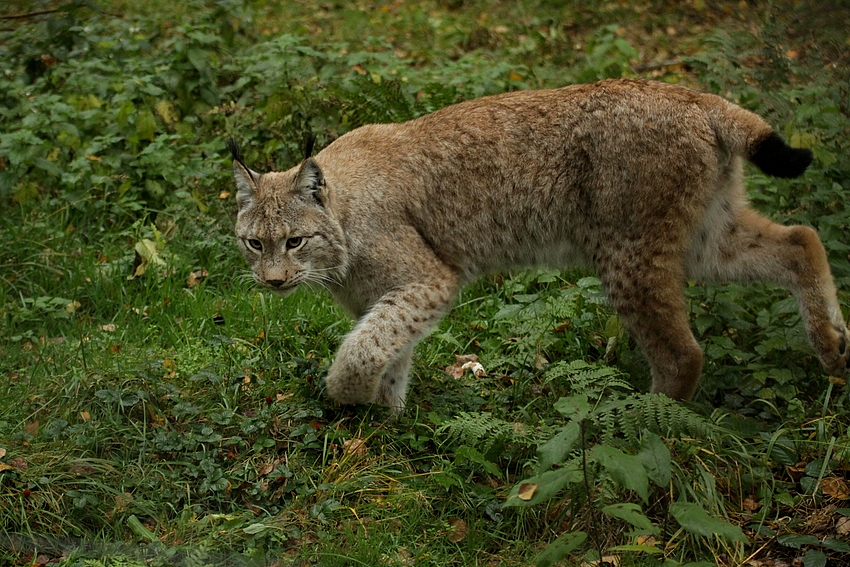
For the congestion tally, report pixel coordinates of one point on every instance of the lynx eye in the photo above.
(294, 242)
(255, 244)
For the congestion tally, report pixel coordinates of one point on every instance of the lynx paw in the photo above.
(349, 388)
(839, 362)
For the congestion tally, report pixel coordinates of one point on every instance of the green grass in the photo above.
(150, 419)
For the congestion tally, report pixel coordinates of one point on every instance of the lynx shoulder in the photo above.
(640, 180)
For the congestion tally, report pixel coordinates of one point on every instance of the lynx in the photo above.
(640, 180)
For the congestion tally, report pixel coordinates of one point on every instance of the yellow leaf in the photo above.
(85, 416)
(526, 491)
(515, 77)
(167, 112)
(224, 195)
(26, 192)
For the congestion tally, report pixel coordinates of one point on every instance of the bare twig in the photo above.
(657, 65)
(29, 14)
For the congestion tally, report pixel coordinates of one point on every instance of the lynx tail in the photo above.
(775, 157)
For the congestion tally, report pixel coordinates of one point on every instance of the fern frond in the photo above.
(624, 420)
(481, 430)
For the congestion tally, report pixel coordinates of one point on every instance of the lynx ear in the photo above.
(311, 181)
(246, 180)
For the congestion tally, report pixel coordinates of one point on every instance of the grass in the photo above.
(176, 416)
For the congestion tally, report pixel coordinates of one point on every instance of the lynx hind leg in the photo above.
(650, 302)
(373, 362)
(752, 248)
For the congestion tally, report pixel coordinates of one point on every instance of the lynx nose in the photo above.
(275, 283)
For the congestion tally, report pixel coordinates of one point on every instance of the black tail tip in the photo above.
(775, 157)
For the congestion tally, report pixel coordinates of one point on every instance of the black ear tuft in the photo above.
(235, 151)
(309, 142)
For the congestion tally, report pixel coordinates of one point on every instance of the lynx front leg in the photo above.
(754, 248)
(373, 362)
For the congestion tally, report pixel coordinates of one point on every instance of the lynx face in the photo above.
(285, 231)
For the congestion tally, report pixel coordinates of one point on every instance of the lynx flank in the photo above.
(640, 180)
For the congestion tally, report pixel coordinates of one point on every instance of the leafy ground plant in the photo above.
(156, 409)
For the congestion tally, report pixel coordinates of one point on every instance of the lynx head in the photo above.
(285, 227)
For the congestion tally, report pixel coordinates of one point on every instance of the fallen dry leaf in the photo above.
(270, 466)
(196, 277)
(456, 370)
(5, 467)
(32, 428)
(750, 505)
(459, 530)
(224, 195)
(835, 487)
(526, 491)
(540, 361)
(2, 452)
(797, 471)
(19, 463)
(109, 327)
(607, 560)
(842, 526)
(355, 447)
(647, 540)
(123, 501)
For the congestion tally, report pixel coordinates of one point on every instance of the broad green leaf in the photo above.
(475, 456)
(27, 191)
(632, 514)
(655, 457)
(573, 407)
(145, 124)
(140, 530)
(548, 485)
(558, 447)
(637, 548)
(254, 529)
(695, 520)
(814, 558)
(559, 548)
(797, 541)
(836, 545)
(626, 470)
(199, 59)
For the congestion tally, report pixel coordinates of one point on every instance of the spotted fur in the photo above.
(640, 180)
